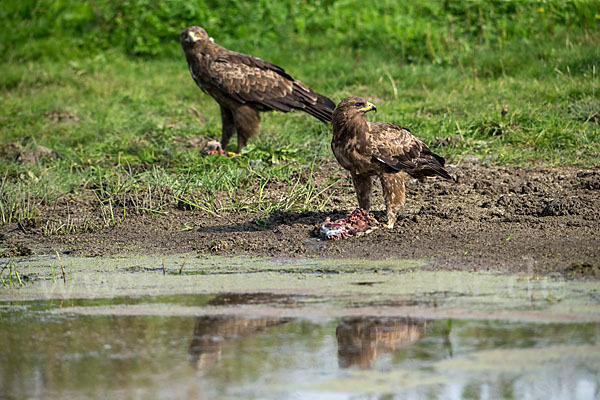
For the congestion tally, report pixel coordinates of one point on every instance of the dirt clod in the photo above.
(14, 151)
(60, 116)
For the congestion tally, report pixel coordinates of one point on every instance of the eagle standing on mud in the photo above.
(379, 148)
(244, 85)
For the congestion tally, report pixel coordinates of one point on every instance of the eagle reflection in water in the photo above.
(212, 332)
(360, 339)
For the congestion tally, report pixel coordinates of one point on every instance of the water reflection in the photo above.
(361, 340)
(211, 333)
(232, 299)
(56, 356)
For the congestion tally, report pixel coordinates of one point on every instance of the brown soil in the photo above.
(532, 221)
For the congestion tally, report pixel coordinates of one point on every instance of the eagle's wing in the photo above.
(251, 80)
(396, 147)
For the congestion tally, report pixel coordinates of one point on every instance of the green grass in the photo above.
(10, 277)
(123, 124)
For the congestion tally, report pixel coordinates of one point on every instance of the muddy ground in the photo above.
(531, 221)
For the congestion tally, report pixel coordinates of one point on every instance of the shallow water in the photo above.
(104, 348)
(293, 329)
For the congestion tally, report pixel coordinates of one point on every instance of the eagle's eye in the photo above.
(359, 104)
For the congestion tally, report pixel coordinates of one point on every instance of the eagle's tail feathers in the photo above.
(323, 114)
(442, 172)
(313, 103)
(439, 159)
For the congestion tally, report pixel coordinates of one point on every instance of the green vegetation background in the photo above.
(104, 83)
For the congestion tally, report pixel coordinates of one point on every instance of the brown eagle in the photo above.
(379, 148)
(244, 85)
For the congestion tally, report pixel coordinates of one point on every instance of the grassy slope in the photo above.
(137, 114)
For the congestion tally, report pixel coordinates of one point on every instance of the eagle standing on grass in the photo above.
(244, 85)
(379, 148)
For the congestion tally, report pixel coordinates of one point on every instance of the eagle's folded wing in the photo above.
(399, 149)
(259, 82)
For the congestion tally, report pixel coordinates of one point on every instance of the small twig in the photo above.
(182, 265)
(163, 264)
(20, 225)
(474, 63)
(61, 267)
(387, 73)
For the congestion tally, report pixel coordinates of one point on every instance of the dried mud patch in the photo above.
(15, 151)
(531, 221)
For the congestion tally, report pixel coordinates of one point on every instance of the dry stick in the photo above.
(477, 41)
(18, 277)
(474, 61)
(61, 266)
(387, 73)
(181, 269)
(163, 263)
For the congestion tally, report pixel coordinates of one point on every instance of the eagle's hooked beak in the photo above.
(193, 36)
(369, 107)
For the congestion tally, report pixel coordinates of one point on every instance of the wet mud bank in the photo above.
(516, 220)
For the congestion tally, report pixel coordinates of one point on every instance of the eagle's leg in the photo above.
(362, 186)
(228, 126)
(246, 122)
(393, 194)
(242, 140)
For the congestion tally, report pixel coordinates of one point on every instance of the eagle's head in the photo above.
(192, 36)
(351, 108)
